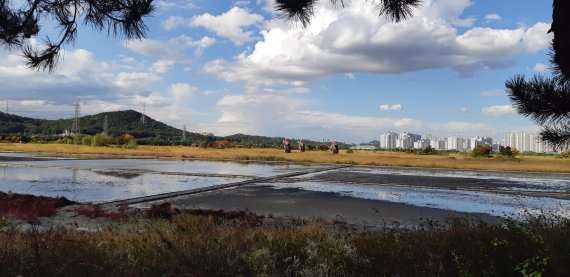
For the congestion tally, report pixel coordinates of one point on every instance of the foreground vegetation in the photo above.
(381, 158)
(243, 244)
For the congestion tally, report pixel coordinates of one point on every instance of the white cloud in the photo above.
(163, 66)
(292, 117)
(32, 102)
(294, 90)
(353, 39)
(492, 17)
(171, 49)
(350, 76)
(499, 111)
(540, 68)
(266, 5)
(537, 38)
(385, 107)
(242, 3)
(181, 91)
(463, 109)
(493, 92)
(168, 5)
(230, 24)
(135, 80)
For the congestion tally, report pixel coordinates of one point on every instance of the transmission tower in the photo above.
(75, 127)
(143, 115)
(7, 106)
(184, 133)
(106, 126)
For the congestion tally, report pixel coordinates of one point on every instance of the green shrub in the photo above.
(100, 140)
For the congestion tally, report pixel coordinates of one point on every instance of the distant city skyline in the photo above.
(522, 141)
(231, 67)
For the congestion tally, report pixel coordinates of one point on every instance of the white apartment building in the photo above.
(455, 143)
(421, 144)
(526, 142)
(479, 141)
(388, 140)
(406, 140)
(438, 143)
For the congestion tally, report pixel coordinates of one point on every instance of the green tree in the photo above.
(547, 99)
(21, 20)
(100, 140)
(506, 151)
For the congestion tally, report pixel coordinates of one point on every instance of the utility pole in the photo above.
(143, 115)
(106, 126)
(75, 127)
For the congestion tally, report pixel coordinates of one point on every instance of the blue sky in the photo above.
(233, 67)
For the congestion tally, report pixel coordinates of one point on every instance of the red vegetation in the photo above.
(27, 207)
(246, 216)
(163, 210)
(95, 211)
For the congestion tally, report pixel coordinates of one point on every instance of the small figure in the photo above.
(301, 146)
(286, 146)
(334, 147)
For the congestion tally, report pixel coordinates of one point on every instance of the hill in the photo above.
(129, 122)
(14, 124)
(120, 122)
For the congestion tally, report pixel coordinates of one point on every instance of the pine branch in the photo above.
(398, 10)
(543, 99)
(303, 10)
(557, 136)
(118, 17)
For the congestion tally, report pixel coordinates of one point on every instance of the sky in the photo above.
(230, 67)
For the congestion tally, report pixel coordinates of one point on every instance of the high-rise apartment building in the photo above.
(388, 140)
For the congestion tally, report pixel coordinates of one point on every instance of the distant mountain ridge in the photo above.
(119, 122)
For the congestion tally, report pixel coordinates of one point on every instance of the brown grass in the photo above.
(451, 161)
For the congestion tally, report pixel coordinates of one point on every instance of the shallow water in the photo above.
(463, 201)
(100, 180)
(93, 186)
(173, 165)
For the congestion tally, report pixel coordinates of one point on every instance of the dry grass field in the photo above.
(451, 161)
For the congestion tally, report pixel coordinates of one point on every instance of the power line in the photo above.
(106, 126)
(143, 115)
(75, 127)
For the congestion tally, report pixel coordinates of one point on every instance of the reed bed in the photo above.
(451, 161)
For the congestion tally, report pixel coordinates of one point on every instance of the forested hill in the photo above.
(14, 124)
(118, 123)
(129, 122)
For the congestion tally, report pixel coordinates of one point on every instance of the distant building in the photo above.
(421, 144)
(438, 143)
(455, 143)
(526, 142)
(363, 147)
(388, 140)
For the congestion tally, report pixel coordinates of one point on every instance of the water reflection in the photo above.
(87, 185)
(173, 165)
(464, 201)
